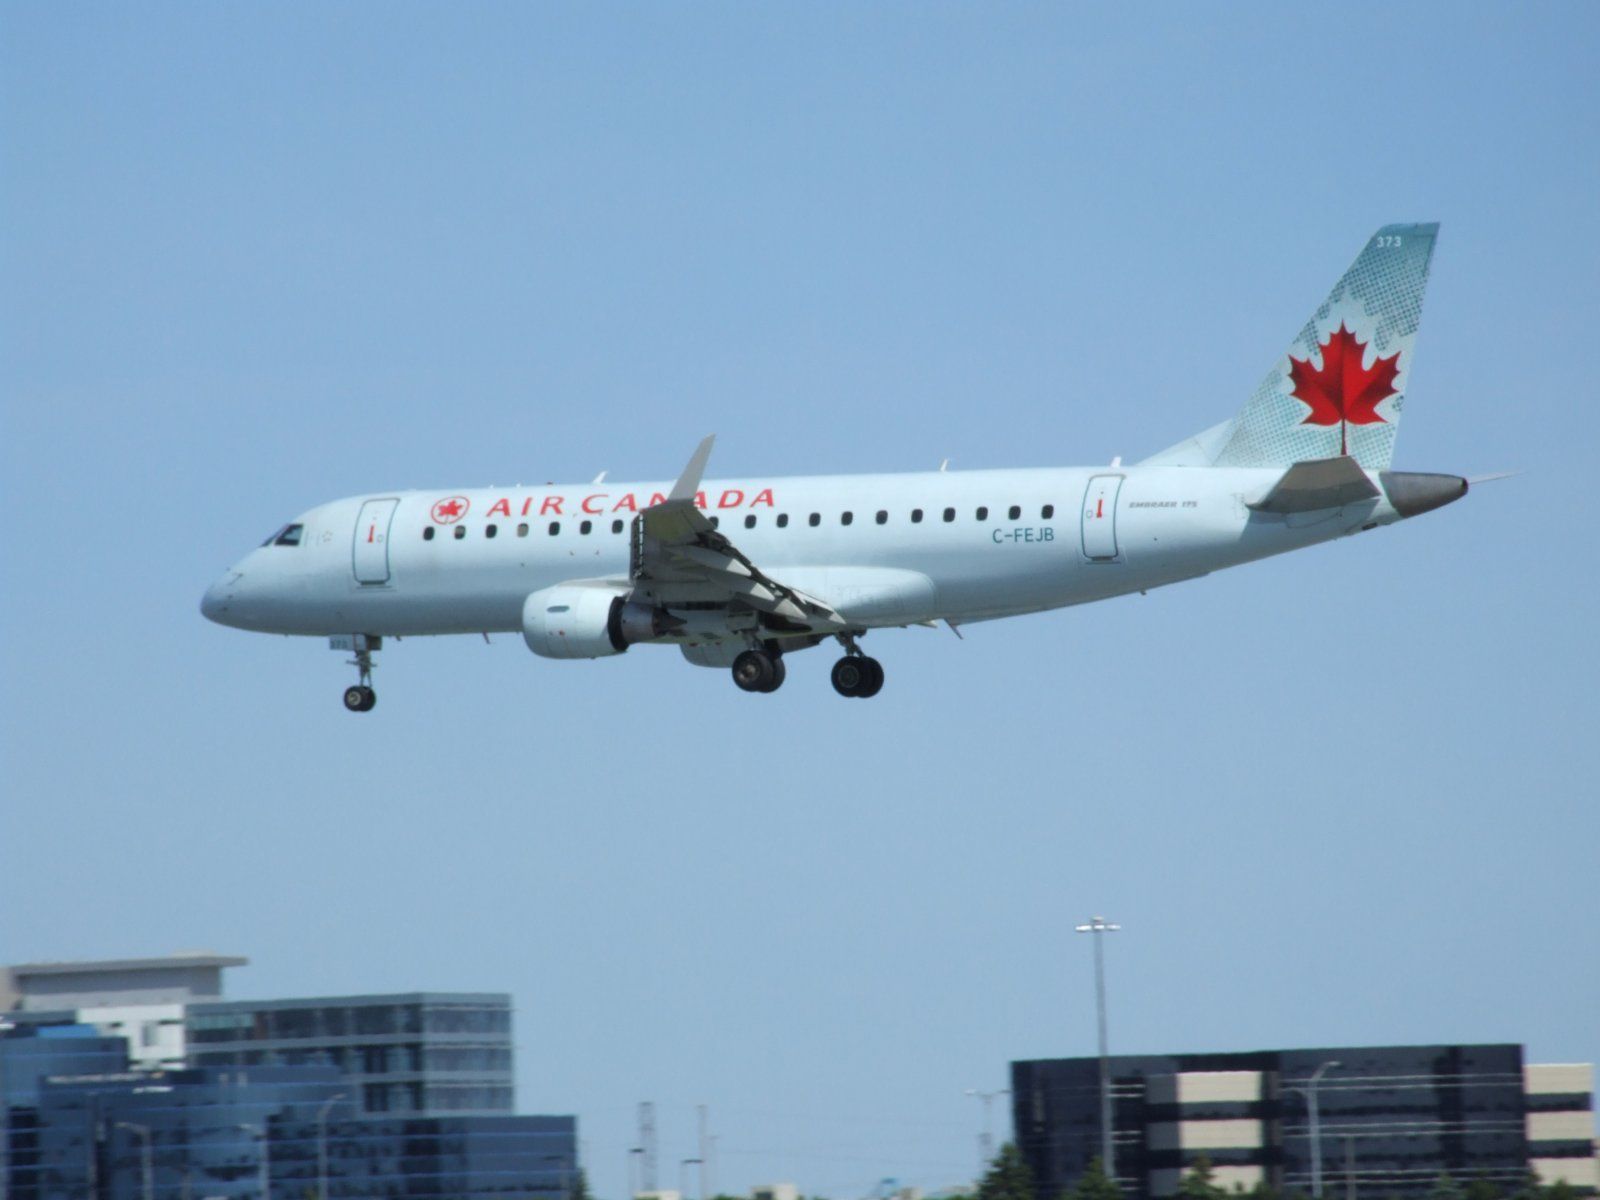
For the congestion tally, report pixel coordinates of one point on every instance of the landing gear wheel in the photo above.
(874, 681)
(758, 671)
(779, 674)
(857, 675)
(360, 698)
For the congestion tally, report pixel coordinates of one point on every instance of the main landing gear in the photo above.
(857, 675)
(759, 671)
(361, 697)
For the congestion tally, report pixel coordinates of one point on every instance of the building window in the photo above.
(883, 517)
(461, 532)
(750, 521)
(916, 516)
(783, 520)
(1048, 511)
(1014, 512)
(427, 533)
(555, 528)
(983, 512)
(522, 529)
(490, 530)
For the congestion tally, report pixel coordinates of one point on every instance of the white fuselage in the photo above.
(1017, 541)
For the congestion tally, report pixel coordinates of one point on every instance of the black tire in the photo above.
(849, 675)
(754, 671)
(371, 701)
(779, 674)
(874, 681)
(354, 698)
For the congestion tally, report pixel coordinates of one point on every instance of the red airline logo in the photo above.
(451, 510)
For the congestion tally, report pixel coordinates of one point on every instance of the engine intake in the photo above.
(575, 621)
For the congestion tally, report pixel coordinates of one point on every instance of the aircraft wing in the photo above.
(679, 560)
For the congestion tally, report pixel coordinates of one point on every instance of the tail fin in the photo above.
(1340, 387)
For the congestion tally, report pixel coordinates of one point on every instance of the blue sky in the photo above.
(254, 258)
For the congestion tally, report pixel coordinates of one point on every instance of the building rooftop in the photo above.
(185, 958)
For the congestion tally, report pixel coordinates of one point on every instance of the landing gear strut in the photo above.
(759, 671)
(856, 674)
(361, 697)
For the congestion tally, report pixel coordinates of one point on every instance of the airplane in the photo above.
(741, 573)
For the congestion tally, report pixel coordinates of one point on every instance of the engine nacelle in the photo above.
(572, 621)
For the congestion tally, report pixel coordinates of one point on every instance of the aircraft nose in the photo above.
(215, 603)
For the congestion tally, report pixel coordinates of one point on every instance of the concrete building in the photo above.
(1388, 1120)
(140, 999)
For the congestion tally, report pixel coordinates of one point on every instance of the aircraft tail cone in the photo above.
(1416, 492)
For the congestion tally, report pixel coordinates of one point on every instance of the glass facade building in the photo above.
(277, 1133)
(425, 1053)
(29, 1055)
(1390, 1119)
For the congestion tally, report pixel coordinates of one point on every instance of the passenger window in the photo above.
(555, 528)
(883, 517)
(983, 512)
(461, 532)
(1014, 512)
(289, 537)
(490, 530)
(1048, 511)
(916, 516)
(616, 526)
(522, 529)
(750, 521)
(846, 517)
(783, 520)
(949, 514)
(715, 521)
(816, 519)
(585, 526)
(427, 533)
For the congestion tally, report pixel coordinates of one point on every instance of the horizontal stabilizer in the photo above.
(1319, 483)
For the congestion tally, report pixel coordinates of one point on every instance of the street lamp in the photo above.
(683, 1178)
(147, 1170)
(266, 1157)
(986, 1139)
(635, 1155)
(1310, 1091)
(322, 1144)
(1099, 926)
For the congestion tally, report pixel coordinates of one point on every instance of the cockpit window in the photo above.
(289, 535)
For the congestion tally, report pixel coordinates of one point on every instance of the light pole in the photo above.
(266, 1157)
(147, 1168)
(986, 1138)
(1310, 1091)
(635, 1153)
(322, 1144)
(1100, 926)
(683, 1177)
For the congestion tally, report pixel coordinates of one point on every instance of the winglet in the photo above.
(689, 482)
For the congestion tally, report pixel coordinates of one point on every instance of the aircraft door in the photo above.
(372, 541)
(1100, 518)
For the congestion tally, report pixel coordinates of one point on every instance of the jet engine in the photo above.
(577, 621)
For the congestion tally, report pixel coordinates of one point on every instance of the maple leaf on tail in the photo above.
(1342, 391)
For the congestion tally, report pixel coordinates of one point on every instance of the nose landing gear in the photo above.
(361, 697)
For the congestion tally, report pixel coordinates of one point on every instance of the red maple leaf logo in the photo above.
(447, 511)
(1342, 391)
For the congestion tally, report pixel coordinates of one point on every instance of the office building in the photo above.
(141, 999)
(1388, 1120)
(427, 1053)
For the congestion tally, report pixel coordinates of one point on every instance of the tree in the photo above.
(1200, 1182)
(1483, 1189)
(1445, 1188)
(1007, 1178)
(1095, 1184)
(578, 1186)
